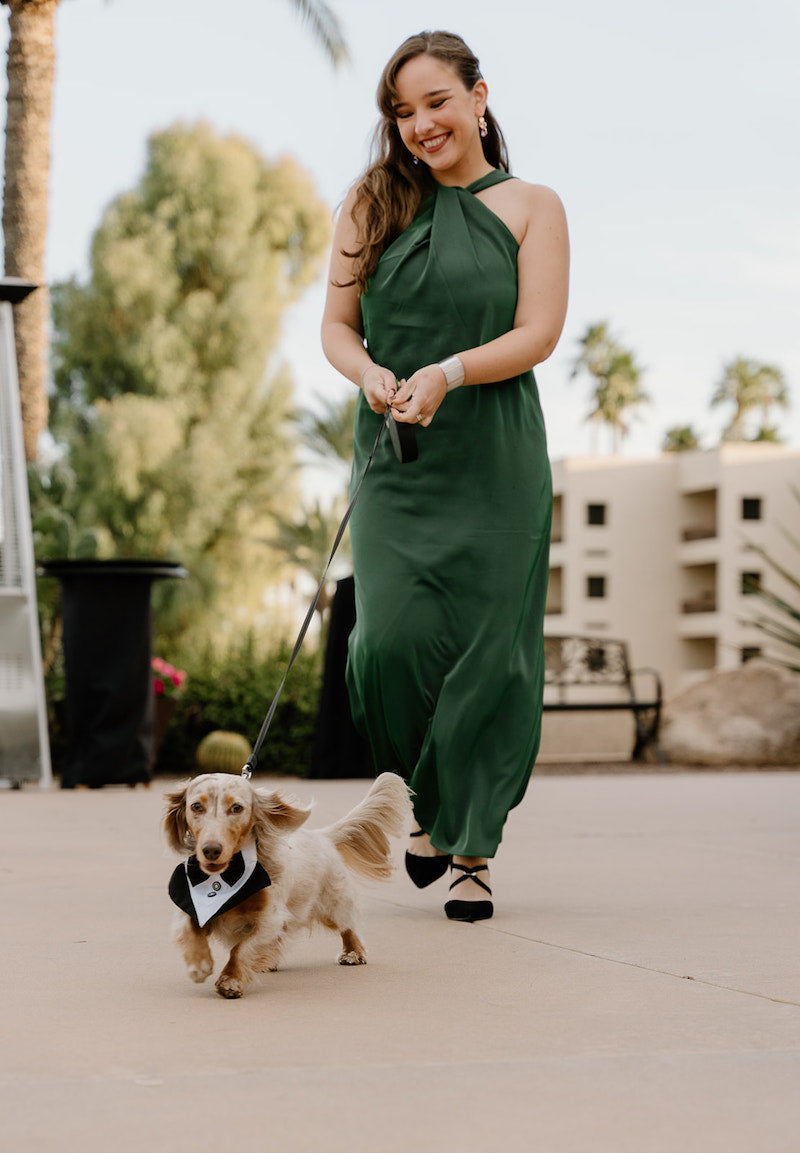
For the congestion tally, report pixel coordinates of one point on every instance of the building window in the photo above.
(596, 586)
(595, 514)
(751, 508)
(557, 527)
(699, 654)
(555, 594)
(750, 653)
(751, 583)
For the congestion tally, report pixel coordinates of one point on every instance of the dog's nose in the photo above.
(212, 850)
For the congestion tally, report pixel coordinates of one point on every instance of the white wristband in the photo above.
(453, 371)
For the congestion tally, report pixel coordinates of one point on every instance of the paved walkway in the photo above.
(638, 990)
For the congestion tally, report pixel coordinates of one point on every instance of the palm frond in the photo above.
(325, 26)
(775, 566)
(305, 542)
(328, 429)
(778, 603)
(777, 631)
(780, 625)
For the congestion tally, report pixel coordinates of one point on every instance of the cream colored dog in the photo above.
(255, 877)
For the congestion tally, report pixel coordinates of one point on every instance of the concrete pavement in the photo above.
(638, 990)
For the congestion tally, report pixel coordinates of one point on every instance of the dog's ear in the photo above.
(277, 812)
(176, 830)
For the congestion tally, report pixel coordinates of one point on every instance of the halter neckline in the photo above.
(496, 176)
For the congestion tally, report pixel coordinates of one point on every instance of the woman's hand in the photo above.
(379, 386)
(419, 397)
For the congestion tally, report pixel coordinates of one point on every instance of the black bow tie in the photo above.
(230, 876)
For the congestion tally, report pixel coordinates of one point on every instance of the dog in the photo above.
(255, 877)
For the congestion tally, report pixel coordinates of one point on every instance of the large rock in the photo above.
(747, 717)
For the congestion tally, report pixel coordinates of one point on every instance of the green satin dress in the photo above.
(450, 552)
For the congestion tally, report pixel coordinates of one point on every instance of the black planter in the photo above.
(107, 641)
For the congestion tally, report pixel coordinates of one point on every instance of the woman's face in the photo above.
(437, 117)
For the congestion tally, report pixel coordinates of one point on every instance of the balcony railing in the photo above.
(699, 532)
(702, 603)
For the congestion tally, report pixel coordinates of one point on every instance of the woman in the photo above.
(448, 283)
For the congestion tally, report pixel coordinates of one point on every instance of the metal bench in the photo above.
(592, 674)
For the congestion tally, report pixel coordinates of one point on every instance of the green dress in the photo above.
(450, 552)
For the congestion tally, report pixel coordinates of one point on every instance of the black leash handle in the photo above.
(251, 762)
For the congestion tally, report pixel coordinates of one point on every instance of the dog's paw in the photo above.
(351, 959)
(229, 987)
(198, 973)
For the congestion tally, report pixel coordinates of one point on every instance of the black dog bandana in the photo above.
(204, 897)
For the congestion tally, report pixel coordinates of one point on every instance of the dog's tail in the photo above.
(362, 837)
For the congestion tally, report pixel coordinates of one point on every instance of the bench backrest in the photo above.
(585, 662)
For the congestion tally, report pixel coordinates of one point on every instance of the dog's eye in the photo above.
(196, 807)
(237, 808)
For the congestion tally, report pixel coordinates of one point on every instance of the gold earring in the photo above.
(482, 126)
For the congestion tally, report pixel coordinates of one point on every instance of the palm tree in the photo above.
(31, 66)
(305, 544)
(750, 385)
(329, 432)
(617, 379)
(680, 438)
(306, 541)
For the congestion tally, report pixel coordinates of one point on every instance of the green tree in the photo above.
(616, 379)
(31, 68)
(180, 443)
(680, 438)
(305, 540)
(752, 387)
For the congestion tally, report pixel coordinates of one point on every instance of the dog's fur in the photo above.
(214, 814)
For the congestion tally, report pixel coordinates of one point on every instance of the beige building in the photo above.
(657, 552)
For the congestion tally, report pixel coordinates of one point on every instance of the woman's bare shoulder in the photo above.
(350, 217)
(521, 205)
(537, 197)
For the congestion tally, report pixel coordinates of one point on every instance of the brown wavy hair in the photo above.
(390, 192)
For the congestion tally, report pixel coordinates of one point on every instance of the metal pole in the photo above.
(19, 621)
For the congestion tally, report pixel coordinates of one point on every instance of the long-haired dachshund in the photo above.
(254, 876)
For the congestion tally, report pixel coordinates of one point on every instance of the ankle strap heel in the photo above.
(423, 871)
(469, 910)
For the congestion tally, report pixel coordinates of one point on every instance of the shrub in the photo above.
(233, 693)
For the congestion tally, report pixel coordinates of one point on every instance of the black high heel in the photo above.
(469, 910)
(424, 871)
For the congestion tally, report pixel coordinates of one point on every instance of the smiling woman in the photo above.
(436, 119)
(448, 272)
(443, 86)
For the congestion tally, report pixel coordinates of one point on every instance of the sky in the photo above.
(667, 127)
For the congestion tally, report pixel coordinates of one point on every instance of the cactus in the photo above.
(222, 752)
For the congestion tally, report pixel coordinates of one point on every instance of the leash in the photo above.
(404, 442)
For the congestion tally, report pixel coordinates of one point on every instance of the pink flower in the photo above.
(168, 681)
